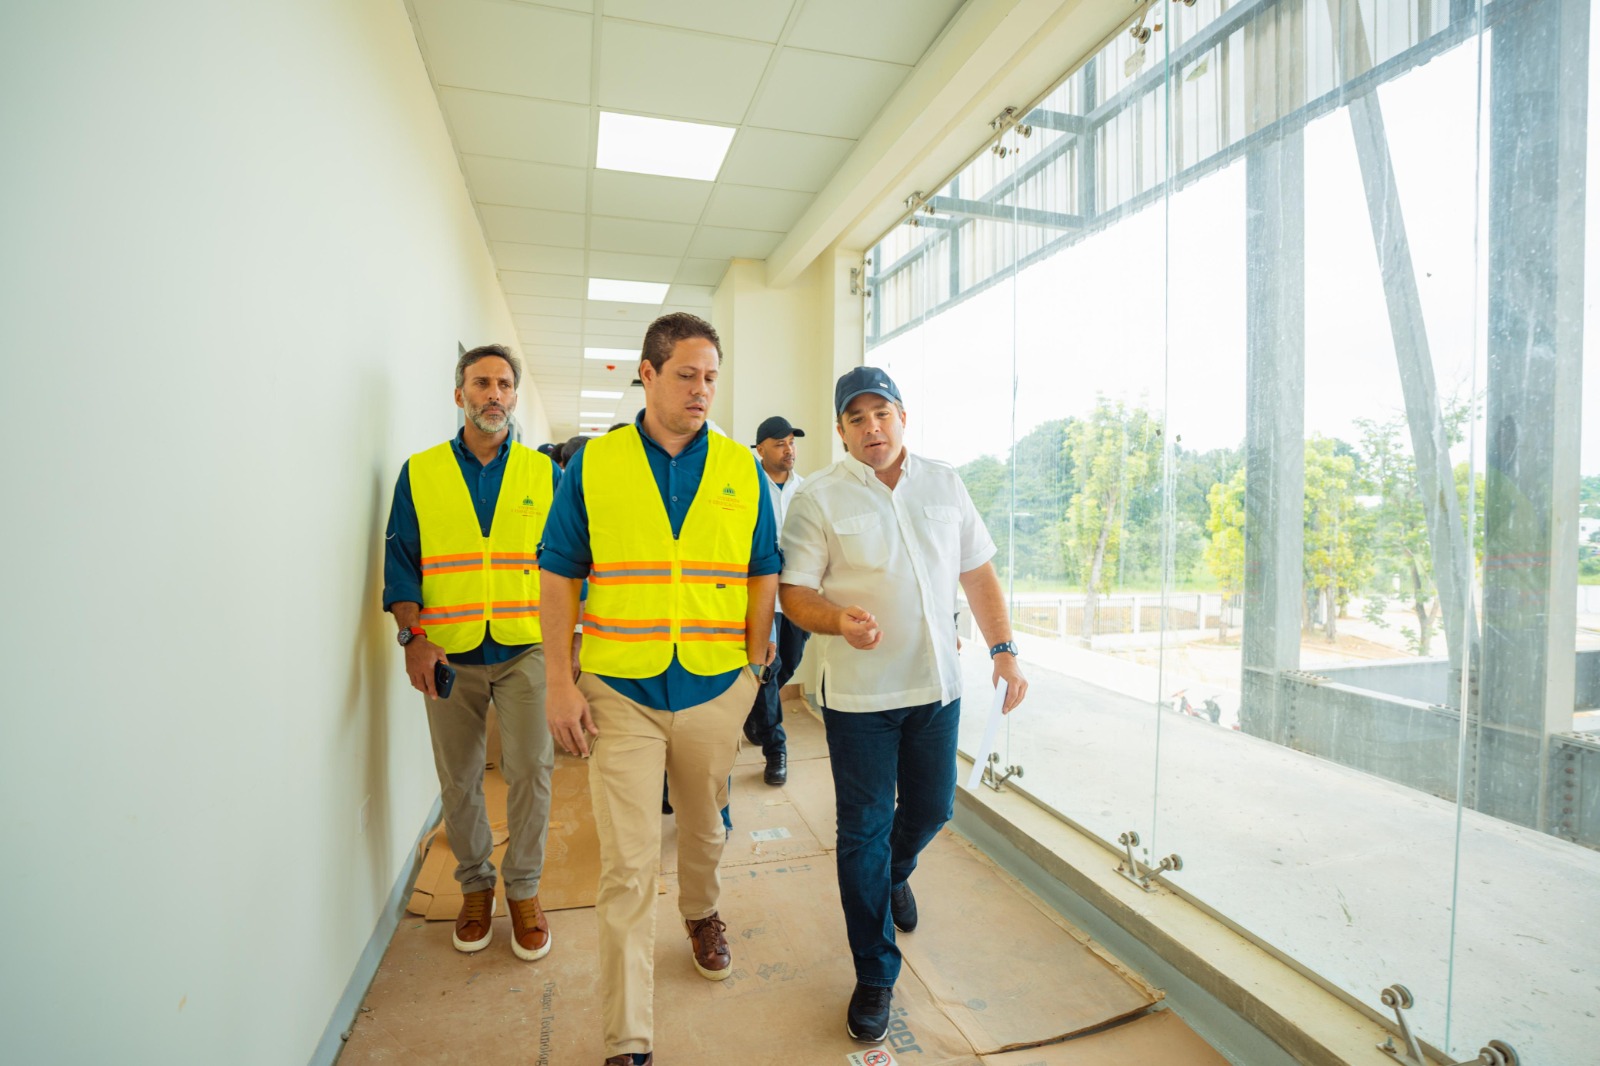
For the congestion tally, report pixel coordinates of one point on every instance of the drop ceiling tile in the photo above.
(538, 258)
(690, 296)
(533, 337)
(810, 92)
(515, 128)
(553, 352)
(569, 286)
(570, 5)
(625, 267)
(507, 48)
(545, 305)
(782, 160)
(713, 242)
(702, 272)
(543, 325)
(517, 183)
(744, 207)
(897, 31)
(634, 235)
(525, 225)
(614, 335)
(756, 20)
(602, 312)
(678, 75)
(623, 195)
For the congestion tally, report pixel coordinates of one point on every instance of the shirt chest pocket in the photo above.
(942, 527)
(863, 541)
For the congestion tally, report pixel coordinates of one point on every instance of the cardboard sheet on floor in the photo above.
(572, 851)
(810, 789)
(767, 827)
(1029, 978)
(783, 1004)
(807, 738)
(1158, 1037)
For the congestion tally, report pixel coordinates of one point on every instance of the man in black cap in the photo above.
(775, 448)
(875, 549)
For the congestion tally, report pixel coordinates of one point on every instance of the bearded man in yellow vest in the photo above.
(462, 579)
(672, 527)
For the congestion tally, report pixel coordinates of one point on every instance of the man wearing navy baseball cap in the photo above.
(874, 548)
(775, 448)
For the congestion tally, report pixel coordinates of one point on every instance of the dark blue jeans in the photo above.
(911, 750)
(764, 725)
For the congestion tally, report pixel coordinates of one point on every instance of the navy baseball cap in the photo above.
(776, 428)
(863, 379)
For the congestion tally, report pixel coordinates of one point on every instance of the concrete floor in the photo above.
(1350, 875)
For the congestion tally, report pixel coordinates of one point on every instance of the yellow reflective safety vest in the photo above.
(650, 594)
(469, 581)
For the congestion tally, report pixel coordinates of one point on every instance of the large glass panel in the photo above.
(1299, 496)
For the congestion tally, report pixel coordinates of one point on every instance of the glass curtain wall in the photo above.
(1259, 343)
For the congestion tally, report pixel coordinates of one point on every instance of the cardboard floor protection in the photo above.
(992, 976)
(1007, 970)
(1157, 1037)
(572, 851)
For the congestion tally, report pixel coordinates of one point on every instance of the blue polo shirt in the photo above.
(402, 554)
(566, 552)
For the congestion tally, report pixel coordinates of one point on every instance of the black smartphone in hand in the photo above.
(444, 679)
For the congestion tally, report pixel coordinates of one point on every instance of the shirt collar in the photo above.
(461, 448)
(697, 441)
(866, 475)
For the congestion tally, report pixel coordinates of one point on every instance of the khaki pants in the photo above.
(696, 747)
(527, 755)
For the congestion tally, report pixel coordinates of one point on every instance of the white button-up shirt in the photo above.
(780, 495)
(898, 554)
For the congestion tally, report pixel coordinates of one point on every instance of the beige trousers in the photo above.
(696, 747)
(527, 755)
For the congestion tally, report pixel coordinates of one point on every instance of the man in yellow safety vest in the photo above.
(670, 524)
(461, 577)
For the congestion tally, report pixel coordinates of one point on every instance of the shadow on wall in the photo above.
(367, 697)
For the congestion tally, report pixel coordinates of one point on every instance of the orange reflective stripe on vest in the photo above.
(472, 584)
(652, 595)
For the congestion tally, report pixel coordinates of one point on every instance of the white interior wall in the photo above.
(239, 256)
(784, 348)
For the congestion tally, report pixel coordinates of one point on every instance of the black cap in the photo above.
(551, 450)
(776, 428)
(863, 379)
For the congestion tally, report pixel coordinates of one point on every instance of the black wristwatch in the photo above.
(1010, 646)
(406, 636)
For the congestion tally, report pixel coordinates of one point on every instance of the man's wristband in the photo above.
(1008, 645)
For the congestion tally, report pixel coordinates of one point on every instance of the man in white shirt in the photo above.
(874, 548)
(775, 448)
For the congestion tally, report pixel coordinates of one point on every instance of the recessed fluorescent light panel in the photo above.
(628, 292)
(612, 355)
(595, 414)
(661, 146)
(595, 394)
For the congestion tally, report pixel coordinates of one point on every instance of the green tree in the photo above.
(1224, 549)
(1116, 456)
(1338, 555)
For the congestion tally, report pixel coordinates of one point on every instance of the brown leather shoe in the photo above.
(474, 925)
(627, 1060)
(710, 947)
(530, 929)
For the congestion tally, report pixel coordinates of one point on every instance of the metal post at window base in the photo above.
(1398, 998)
(1136, 871)
(997, 780)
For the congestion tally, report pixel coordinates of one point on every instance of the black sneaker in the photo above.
(777, 772)
(867, 1020)
(903, 908)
